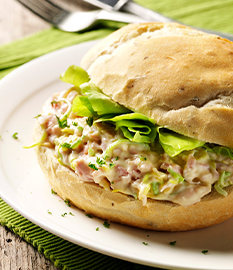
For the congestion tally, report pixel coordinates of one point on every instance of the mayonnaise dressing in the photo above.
(98, 153)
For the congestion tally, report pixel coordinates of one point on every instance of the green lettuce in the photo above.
(135, 126)
(75, 75)
(82, 106)
(94, 103)
(174, 143)
(222, 150)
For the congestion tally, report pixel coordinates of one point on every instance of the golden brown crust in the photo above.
(117, 207)
(180, 77)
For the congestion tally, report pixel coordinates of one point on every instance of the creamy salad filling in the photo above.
(102, 151)
(125, 151)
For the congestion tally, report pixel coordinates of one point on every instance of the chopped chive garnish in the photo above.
(89, 215)
(144, 243)
(142, 158)
(172, 243)
(49, 212)
(15, 135)
(63, 123)
(100, 162)
(106, 224)
(67, 202)
(53, 192)
(89, 121)
(111, 165)
(205, 251)
(66, 145)
(91, 165)
(71, 214)
(38, 115)
(64, 214)
(97, 229)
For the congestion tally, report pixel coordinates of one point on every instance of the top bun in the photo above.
(180, 77)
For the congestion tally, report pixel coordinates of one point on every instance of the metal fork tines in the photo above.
(75, 21)
(46, 10)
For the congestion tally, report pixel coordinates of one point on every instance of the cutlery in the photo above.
(75, 21)
(131, 7)
(145, 13)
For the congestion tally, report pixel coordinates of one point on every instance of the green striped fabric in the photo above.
(210, 14)
(62, 253)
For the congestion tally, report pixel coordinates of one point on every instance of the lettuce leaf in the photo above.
(174, 143)
(222, 150)
(75, 75)
(82, 106)
(135, 126)
(94, 102)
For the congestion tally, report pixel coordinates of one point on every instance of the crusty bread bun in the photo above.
(181, 78)
(178, 76)
(124, 209)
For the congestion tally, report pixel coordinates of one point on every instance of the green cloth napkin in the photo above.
(209, 14)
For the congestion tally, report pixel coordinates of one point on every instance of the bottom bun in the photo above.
(124, 209)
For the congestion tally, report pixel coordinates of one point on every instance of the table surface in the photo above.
(17, 22)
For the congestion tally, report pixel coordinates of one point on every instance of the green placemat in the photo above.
(209, 14)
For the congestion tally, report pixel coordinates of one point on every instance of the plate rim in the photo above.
(7, 79)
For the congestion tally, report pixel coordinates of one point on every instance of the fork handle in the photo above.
(145, 13)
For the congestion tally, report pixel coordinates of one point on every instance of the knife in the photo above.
(145, 13)
(131, 7)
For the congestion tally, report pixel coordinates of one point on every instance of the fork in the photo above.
(81, 20)
(75, 21)
(148, 14)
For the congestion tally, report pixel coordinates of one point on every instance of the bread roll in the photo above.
(181, 78)
(178, 76)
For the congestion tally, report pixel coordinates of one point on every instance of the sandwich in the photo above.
(144, 136)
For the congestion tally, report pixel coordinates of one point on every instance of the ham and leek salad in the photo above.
(123, 151)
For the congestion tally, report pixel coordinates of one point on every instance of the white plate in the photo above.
(23, 186)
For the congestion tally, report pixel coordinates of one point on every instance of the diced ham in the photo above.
(128, 164)
(84, 171)
(122, 171)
